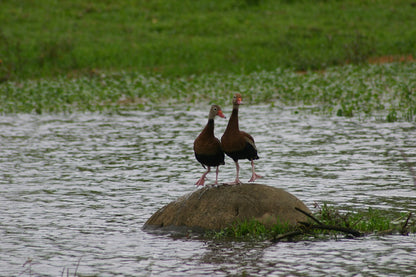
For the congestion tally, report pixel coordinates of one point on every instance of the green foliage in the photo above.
(64, 56)
(179, 38)
(345, 91)
(371, 221)
(365, 221)
(392, 116)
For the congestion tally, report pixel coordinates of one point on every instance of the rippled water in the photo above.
(78, 188)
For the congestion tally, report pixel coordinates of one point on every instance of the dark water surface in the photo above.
(78, 188)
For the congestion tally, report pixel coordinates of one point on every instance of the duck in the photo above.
(237, 144)
(207, 147)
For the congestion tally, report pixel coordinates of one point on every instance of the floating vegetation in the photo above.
(387, 89)
(327, 221)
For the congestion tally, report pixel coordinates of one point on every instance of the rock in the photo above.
(214, 208)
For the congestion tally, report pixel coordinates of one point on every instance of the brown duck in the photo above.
(207, 147)
(238, 144)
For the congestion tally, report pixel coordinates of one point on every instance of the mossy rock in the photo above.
(214, 208)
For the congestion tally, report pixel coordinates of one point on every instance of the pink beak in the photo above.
(220, 114)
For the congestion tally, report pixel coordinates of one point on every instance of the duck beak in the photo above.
(239, 101)
(220, 114)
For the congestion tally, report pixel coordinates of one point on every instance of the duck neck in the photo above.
(209, 128)
(233, 122)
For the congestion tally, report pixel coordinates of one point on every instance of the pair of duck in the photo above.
(209, 151)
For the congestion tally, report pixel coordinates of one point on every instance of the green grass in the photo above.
(66, 56)
(173, 38)
(367, 222)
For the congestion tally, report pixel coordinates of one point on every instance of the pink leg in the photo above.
(254, 176)
(201, 180)
(216, 175)
(237, 180)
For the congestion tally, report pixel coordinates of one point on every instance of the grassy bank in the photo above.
(183, 37)
(365, 90)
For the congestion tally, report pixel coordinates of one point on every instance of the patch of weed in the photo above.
(332, 221)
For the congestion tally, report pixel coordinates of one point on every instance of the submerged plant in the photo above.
(251, 230)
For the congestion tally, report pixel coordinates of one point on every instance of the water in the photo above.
(78, 189)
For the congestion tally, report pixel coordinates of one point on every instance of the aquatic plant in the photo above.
(368, 221)
(325, 221)
(387, 91)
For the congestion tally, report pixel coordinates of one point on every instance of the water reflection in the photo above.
(82, 185)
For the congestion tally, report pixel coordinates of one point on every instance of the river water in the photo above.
(75, 191)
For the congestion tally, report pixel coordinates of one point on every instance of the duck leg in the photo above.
(201, 180)
(216, 175)
(237, 180)
(254, 176)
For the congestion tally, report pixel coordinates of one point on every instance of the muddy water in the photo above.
(78, 189)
